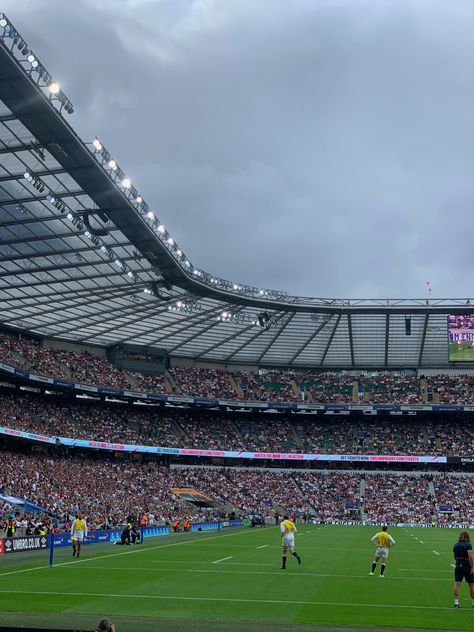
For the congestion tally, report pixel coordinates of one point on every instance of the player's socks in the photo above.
(456, 603)
(283, 562)
(295, 554)
(374, 564)
(382, 570)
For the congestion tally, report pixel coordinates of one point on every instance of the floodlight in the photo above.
(103, 249)
(69, 216)
(97, 144)
(126, 183)
(3, 22)
(179, 253)
(179, 304)
(150, 215)
(54, 87)
(31, 58)
(139, 199)
(27, 175)
(161, 229)
(171, 241)
(130, 274)
(113, 165)
(87, 234)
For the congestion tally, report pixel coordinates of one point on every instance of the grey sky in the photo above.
(321, 147)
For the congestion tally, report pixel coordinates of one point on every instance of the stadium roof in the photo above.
(84, 259)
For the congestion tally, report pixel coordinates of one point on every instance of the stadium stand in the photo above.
(276, 385)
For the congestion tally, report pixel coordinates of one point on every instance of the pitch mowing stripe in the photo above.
(228, 599)
(139, 550)
(277, 574)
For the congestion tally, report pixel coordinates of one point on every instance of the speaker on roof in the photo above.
(407, 326)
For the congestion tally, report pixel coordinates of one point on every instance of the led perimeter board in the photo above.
(461, 337)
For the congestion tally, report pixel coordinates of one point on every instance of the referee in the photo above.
(464, 564)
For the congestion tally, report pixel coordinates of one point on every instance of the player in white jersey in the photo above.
(383, 541)
(288, 530)
(78, 534)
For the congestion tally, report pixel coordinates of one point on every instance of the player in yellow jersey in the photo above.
(78, 534)
(383, 541)
(288, 530)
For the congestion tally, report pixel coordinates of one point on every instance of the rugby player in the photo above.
(288, 530)
(383, 541)
(464, 564)
(78, 534)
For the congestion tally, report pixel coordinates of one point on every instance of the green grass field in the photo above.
(465, 354)
(220, 580)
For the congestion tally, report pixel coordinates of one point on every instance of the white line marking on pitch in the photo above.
(262, 547)
(101, 557)
(421, 541)
(223, 559)
(435, 552)
(240, 572)
(231, 599)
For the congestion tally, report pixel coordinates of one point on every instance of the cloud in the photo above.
(323, 148)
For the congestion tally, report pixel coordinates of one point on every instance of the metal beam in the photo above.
(148, 311)
(37, 174)
(309, 340)
(73, 303)
(8, 117)
(14, 149)
(193, 336)
(280, 331)
(182, 324)
(87, 292)
(36, 238)
(423, 338)
(39, 198)
(223, 342)
(330, 339)
(245, 344)
(90, 319)
(61, 253)
(90, 277)
(76, 265)
(387, 333)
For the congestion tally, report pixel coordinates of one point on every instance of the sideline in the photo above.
(127, 596)
(138, 550)
(280, 574)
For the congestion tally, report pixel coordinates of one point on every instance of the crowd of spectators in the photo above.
(455, 492)
(399, 499)
(327, 387)
(83, 418)
(329, 494)
(107, 490)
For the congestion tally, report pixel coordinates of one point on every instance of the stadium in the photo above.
(185, 415)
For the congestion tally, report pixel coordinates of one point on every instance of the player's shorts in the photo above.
(78, 536)
(381, 552)
(463, 571)
(288, 542)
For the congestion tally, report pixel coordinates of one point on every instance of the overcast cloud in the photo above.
(321, 147)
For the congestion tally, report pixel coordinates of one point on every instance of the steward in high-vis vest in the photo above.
(11, 527)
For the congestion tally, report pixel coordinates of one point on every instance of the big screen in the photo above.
(461, 337)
